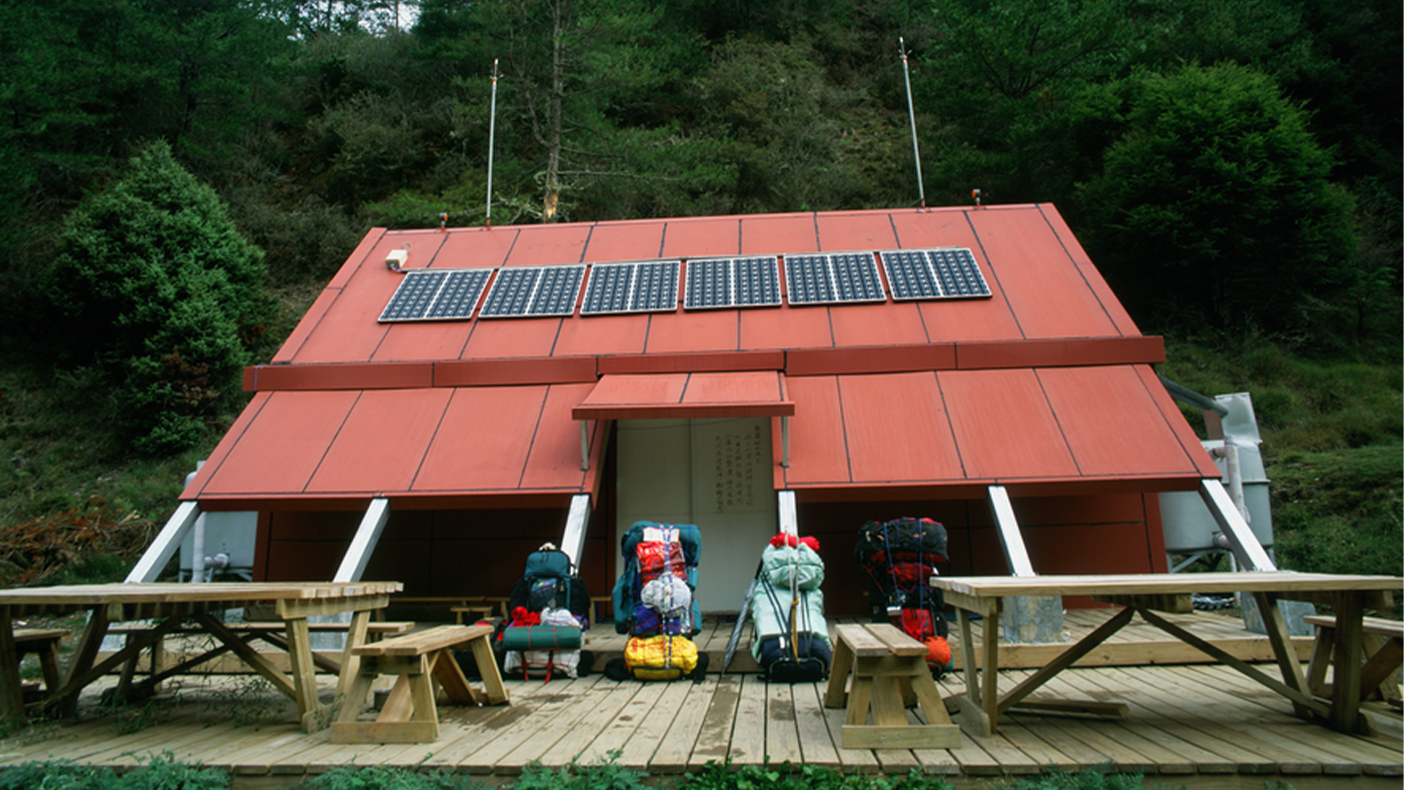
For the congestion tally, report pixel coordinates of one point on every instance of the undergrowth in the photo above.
(164, 773)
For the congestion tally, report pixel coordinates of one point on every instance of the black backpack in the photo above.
(549, 581)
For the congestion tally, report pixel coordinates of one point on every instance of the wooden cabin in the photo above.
(453, 399)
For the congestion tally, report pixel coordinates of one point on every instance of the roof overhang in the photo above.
(951, 434)
(420, 448)
(756, 393)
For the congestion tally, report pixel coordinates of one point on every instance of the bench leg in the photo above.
(487, 666)
(1320, 660)
(835, 696)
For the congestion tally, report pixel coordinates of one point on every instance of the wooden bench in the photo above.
(1383, 646)
(458, 605)
(271, 631)
(889, 673)
(410, 714)
(44, 643)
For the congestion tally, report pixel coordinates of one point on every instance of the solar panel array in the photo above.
(646, 287)
(436, 295)
(714, 283)
(947, 273)
(711, 283)
(533, 291)
(833, 279)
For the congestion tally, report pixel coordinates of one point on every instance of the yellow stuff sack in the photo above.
(660, 657)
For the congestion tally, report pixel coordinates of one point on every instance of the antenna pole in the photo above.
(492, 133)
(911, 114)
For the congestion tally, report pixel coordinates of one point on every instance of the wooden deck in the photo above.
(1196, 724)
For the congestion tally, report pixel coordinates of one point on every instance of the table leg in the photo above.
(989, 646)
(11, 691)
(304, 674)
(1281, 640)
(350, 662)
(1345, 692)
(84, 656)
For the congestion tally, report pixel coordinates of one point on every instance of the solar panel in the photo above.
(708, 284)
(511, 292)
(646, 287)
(459, 295)
(831, 279)
(413, 295)
(732, 282)
(607, 291)
(556, 291)
(856, 277)
(909, 275)
(655, 287)
(958, 272)
(808, 279)
(533, 291)
(756, 282)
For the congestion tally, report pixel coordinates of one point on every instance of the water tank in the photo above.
(1188, 525)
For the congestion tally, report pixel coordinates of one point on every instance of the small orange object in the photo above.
(938, 651)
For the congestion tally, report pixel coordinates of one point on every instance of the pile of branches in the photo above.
(35, 549)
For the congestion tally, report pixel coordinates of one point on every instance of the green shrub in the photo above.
(380, 777)
(154, 284)
(160, 773)
(720, 776)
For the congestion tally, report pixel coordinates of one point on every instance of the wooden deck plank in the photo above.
(675, 750)
(861, 761)
(616, 736)
(545, 718)
(748, 734)
(782, 742)
(817, 745)
(604, 706)
(714, 739)
(638, 752)
(465, 729)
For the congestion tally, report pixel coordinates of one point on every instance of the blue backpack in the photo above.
(627, 590)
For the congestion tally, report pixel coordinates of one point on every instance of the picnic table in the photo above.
(1147, 594)
(175, 607)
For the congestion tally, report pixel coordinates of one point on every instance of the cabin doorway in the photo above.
(715, 473)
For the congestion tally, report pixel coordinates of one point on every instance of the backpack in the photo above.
(651, 550)
(549, 582)
(663, 658)
(899, 557)
(801, 658)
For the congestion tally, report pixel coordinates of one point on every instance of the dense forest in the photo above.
(177, 177)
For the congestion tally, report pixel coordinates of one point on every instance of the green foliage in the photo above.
(603, 774)
(1215, 206)
(159, 773)
(155, 284)
(719, 776)
(1340, 512)
(1100, 778)
(351, 777)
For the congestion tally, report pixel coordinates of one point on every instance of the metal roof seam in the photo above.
(1153, 396)
(332, 443)
(995, 276)
(1078, 268)
(843, 421)
(1057, 421)
(209, 469)
(432, 437)
(949, 425)
(535, 428)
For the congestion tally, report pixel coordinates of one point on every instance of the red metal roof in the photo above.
(1047, 381)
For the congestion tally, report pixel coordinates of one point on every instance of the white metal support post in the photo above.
(165, 544)
(1015, 553)
(789, 520)
(367, 535)
(1246, 548)
(573, 542)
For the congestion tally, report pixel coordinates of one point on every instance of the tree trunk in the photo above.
(553, 151)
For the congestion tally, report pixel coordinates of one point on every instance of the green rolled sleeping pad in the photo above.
(541, 637)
